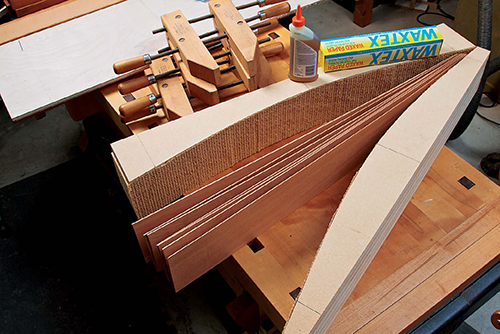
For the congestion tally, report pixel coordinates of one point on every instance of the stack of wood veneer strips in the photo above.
(195, 233)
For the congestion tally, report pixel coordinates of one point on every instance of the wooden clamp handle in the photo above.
(269, 2)
(132, 85)
(129, 64)
(277, 10)
(273, 23)
(139, 114)
(129, 108)
(272, 49)
(495, 319)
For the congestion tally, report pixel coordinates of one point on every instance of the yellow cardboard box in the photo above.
(379, 48)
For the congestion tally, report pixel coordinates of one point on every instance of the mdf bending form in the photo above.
(395, 168)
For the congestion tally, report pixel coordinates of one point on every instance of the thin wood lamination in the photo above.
(173, 95)
(192, 50)
(273, 158)
(188, 257)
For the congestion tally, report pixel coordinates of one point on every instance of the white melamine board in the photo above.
(395, 168)
(51, 66)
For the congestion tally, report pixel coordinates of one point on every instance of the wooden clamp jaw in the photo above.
(201, 89)
(174, 99)
(193, 52)
(250, 64)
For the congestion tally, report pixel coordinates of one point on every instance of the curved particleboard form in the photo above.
(164, 163)
(395, 168)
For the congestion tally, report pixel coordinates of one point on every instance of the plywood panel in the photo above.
(75, 57)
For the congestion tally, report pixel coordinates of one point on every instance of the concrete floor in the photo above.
(32, 147)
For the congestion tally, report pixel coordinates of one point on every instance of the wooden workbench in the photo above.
(447, 236)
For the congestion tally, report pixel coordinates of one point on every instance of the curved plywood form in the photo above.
(394, 168)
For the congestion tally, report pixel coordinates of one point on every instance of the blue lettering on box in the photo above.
(375, 58)
(395, 39)
(430, 50)
(405, 37)
(406, 54)
(415, 35)
(384, 39)
(395, 57)
(386, 58)
(428, 34)
(373, 40)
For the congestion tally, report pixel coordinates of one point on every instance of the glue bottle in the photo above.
(304, 48)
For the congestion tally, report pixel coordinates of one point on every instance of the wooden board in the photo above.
(70, 59)
(50, 17)
(395, 167)
(33, 8)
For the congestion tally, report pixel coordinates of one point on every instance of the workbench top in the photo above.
(447, 236)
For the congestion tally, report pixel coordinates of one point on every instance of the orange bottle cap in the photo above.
(298, 20)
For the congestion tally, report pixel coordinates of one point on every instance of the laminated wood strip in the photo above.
(280, 169)
(354, 236)
(296, 149)
(184, 268)
(194, 53)
(156, 220)
(152, 221)
(203, 211)
(246, 192)
(267, 212)
(356, 117)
